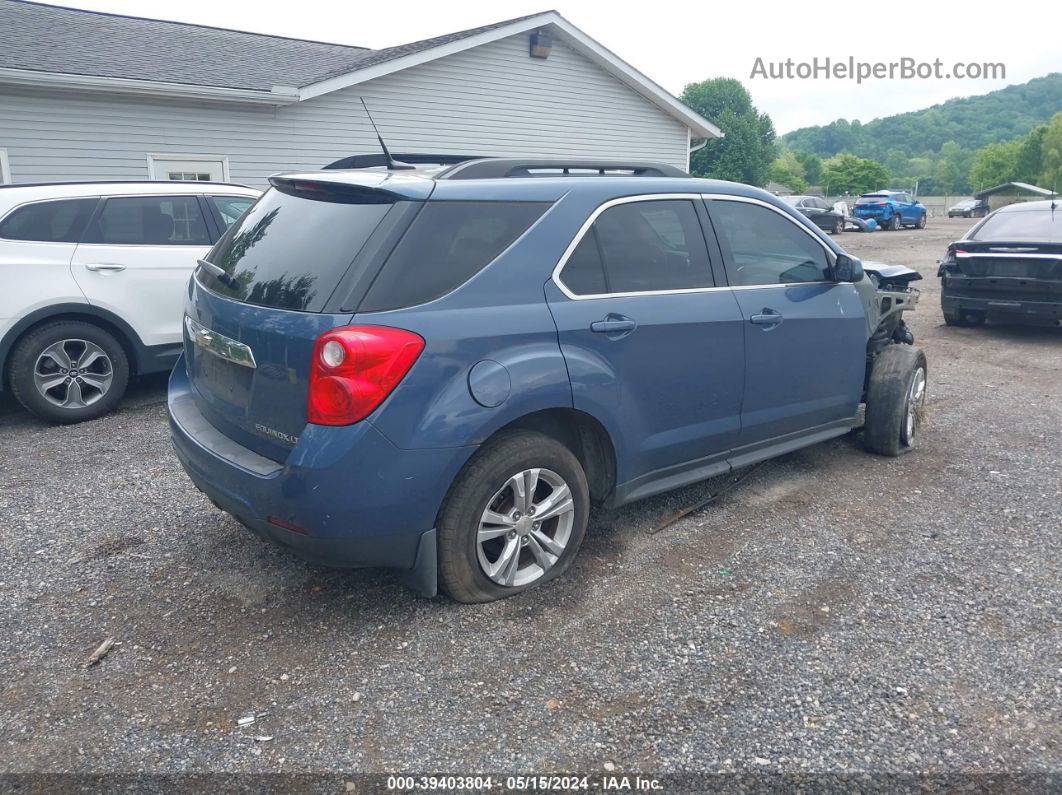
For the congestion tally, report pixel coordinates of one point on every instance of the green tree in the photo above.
(920, 173)
(953, 168)
(846, 173)
(787, 170)
(747, 150)
(1031, 155)
(946, 177)
(1051, 154)
(898, 163)
(994, 164)
(812, 165)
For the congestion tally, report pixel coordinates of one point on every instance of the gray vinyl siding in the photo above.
(490, 100)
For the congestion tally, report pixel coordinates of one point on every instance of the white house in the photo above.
(88, 96)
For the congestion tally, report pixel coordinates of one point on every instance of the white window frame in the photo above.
(5, 168)
(155, 159)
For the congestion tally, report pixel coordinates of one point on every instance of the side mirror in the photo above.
(847, 269)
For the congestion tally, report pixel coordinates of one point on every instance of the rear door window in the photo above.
(150, 221)
(645, 246)
(763, 247)
(291, 251)
(447, 244)
(59, 221)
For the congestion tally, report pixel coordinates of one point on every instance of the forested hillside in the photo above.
(969, 122)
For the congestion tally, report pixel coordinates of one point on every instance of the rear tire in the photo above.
(483, 524)
(838, 227)
(895, 400)
(894, 222)
(68, 371)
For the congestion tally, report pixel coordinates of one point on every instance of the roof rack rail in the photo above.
(377, 160)
(500, 167)
(60, 183)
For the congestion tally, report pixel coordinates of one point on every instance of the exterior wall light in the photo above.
(541, 44)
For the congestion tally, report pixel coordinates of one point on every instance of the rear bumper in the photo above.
(1048, 310)
(361, 500)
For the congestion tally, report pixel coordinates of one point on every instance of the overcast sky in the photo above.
(678, 43)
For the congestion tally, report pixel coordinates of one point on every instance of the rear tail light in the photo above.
(354, 368)
(949, 263)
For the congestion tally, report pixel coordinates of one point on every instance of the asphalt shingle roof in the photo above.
(72, 41)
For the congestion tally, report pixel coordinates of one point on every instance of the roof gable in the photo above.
(397, 58)
(52, 45)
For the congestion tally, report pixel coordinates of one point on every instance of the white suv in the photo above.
(94, 280)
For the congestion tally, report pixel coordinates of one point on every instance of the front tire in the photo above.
(922, 221)
(514, 518)
(896, 398)
(68, 371)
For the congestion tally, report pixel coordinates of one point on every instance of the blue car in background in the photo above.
(891, 209)
(441, 370)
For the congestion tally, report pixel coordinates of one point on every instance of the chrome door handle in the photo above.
(104, 266)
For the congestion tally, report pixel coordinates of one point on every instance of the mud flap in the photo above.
(424, 576)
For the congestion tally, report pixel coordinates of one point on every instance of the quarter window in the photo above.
(231, 207)
(762, 247)
(644, 246)
(447, 244)
(60, 221)
(151, 221)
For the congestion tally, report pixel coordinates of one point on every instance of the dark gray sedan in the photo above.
(818, 212)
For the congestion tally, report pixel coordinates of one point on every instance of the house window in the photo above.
(201, 176)
(5, 168)
(184, 167)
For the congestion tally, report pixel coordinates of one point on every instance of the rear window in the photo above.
(871, 199)
(60, 221)
(1035, 226)
(290, 252)
(447, 244)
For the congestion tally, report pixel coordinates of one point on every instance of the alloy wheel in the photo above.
(525, 527)
(73, 374)
(916, 398)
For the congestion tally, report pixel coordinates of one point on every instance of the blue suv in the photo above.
(891, 209)
(442, 370)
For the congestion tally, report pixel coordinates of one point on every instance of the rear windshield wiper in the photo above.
(219, 273)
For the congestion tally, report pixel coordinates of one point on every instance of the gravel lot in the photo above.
(835, 612)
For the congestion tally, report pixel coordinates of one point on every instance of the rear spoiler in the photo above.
(366, 187)
(419, 158)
